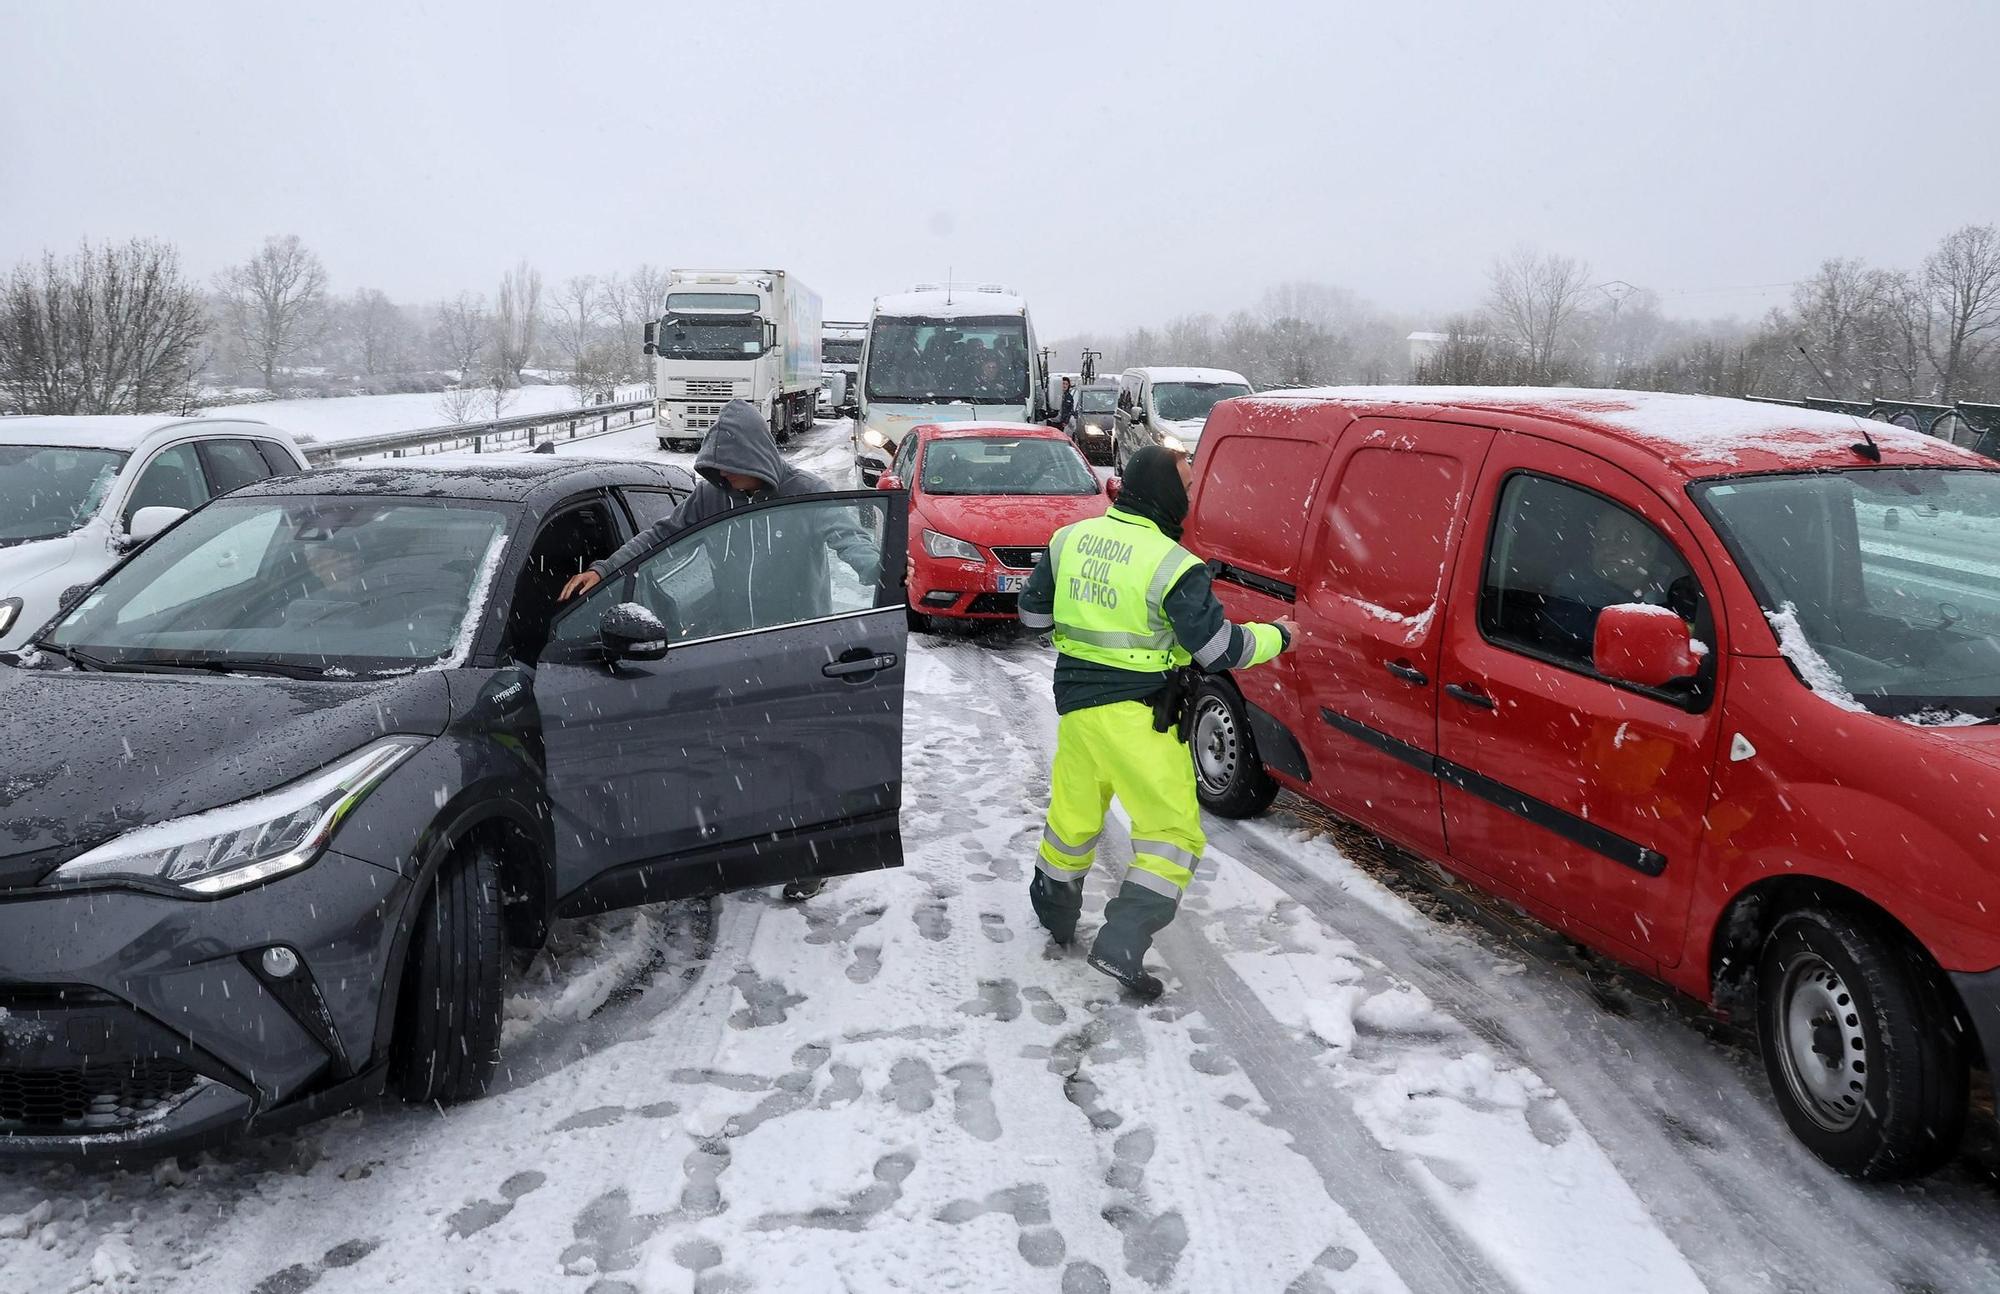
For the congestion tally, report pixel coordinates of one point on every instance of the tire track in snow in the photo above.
(1686, 1122)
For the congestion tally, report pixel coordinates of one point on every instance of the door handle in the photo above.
(1409, 673)
(858, 668)
(1471, 694)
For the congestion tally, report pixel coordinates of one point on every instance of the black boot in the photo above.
(1057, 905)
(805, 887)
(1130, 922)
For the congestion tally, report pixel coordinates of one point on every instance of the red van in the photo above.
(1711, 686)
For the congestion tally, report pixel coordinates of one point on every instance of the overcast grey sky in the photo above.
(1119, 163)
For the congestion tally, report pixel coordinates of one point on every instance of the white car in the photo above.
(1169, 406)
(76, 494)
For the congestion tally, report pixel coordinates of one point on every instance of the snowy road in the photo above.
(899, 1086)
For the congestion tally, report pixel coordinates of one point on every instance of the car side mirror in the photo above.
(888, 481)
(652, 339)
(1647, 646)
(147, 522)
(632, 632)
(1112, 485)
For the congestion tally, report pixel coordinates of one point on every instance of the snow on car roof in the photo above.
(962, 430)
(1701, 435)
(954, 304)
(492, 477)
(1182, 373)
(124, 432)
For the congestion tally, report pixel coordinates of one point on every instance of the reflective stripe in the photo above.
(1057, 542)
(1171, 565)
(1172, 853)
(1146, 880)
(1211, 651)
(1117, 638)
(1067, 875)
(1084, 850)
(1037, 620)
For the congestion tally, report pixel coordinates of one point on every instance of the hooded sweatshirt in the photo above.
(771, 570)
(1150, 493)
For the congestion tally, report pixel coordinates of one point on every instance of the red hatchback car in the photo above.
(1709, 685)
(984, 499)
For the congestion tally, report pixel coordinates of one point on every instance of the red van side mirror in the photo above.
(888, 482)
(1645, 645)
(1112, 485)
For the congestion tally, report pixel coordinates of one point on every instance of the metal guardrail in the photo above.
(1974, 426)
(495, 435)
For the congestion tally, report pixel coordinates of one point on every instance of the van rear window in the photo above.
(1255, 496)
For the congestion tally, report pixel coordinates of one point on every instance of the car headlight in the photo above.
(241, 844)
(938, 545)
(870, 436)
(10, 611)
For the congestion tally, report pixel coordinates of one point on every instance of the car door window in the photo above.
(277, 457)
(651, 506)
(567, 545)
(173, 479)
(232, 464)
(906, 460)
(1560, 555)
(757, 568)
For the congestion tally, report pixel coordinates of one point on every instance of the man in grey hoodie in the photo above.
(771, 571)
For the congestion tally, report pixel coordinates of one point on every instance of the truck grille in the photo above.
(705, 389)
(1021, 559)
(89, 1097)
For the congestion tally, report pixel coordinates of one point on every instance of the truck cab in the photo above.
(733, 335)
(840, 356)
(943, 354)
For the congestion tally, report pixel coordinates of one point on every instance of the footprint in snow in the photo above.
(994, 927)
(303, 1276)
(972, 1100)
(481, 1214)
(1039, 1243)
(999, 998)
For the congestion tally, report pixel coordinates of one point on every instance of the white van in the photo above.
(1169, 406)
(944, 354)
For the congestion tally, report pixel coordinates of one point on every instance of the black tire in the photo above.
(920, 623)
(448, 1022)
(1229, 778)
(1860, 1046)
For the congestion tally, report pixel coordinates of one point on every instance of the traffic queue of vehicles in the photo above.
(1711, 687)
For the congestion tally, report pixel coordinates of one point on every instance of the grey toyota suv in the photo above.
(283, 790)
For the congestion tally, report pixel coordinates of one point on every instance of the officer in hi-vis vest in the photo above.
(1128, 608)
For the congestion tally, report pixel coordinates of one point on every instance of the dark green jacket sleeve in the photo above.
(1205, 632)
(1038, 599)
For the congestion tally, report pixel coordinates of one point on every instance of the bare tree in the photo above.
(112, 329)
(377, 331)
(1837, 317)
(457, 403)
(635, 300)
(517, 319)
(275, 303)
(462, 334)
(1961, 280)
(578, 309)
(1533, 302)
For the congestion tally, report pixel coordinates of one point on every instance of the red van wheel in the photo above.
(1859, 1047)
(1228, 776)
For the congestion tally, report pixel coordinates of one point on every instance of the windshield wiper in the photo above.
(279, 669)
(75, 656)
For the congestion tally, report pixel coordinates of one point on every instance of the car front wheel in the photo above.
(1228, 776)
(1860, 1047)
(448, 1025)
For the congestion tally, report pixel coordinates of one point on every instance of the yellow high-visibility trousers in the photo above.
(1112, 750)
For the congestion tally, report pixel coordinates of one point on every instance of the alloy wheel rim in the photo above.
(1215, 747)
(1822, 1048)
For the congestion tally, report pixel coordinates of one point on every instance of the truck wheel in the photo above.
(1228, 776)
(448, 1023)
(1860, 1046)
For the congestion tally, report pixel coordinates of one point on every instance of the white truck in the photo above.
(733, 335)
(945, 354)
(840, 353)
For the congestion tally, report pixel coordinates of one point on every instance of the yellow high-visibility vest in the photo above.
(1112, 574)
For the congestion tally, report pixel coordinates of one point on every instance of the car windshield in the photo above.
(1096, 400)
(928, 361)
(711, 338)
(47, 491)
(995, 465)
(1191, 401)
(337, 585)
(1881, 583)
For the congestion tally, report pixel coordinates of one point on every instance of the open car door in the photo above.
(727, 711)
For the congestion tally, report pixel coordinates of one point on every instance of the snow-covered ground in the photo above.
(346, 417)
(900, 1086)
